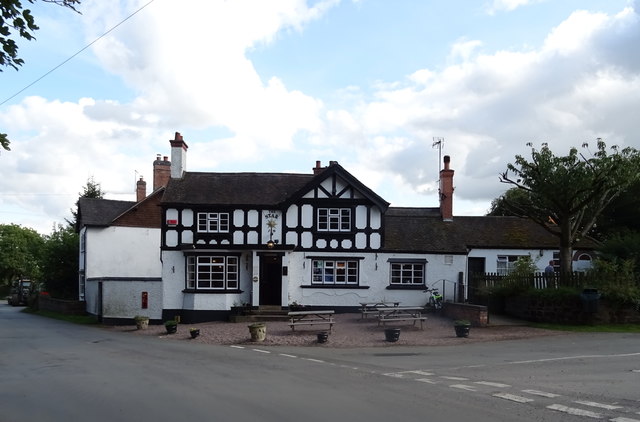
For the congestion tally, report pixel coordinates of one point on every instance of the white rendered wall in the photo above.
(491, 257)
(115, 254)
(123, 252)
(374, 273)
(123, 299)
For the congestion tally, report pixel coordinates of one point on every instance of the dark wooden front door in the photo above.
(271, 279)
(476, 272)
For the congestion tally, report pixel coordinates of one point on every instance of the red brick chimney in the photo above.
(141, 190)
(446, 191)
(318, 168)
(161, 172)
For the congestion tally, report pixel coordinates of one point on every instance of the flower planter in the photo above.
(323, 337)
(462, 328)
(171, 327)
(258, 331)
(392, 334)
(142, 323)
(194, 332)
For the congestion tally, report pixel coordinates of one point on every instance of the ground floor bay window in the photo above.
(207, 273)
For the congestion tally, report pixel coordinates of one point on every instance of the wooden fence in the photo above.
(536, 280)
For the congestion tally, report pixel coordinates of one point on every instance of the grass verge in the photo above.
(76, 319)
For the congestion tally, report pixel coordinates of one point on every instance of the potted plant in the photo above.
(142, 322)
(194, 332)
(392, 334)
(258, 331)
(323, 336)
(295, 306)
(171, 326)
(462, 327)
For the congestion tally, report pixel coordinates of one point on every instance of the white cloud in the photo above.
(508, 5)
(190, 72)
(488, 106)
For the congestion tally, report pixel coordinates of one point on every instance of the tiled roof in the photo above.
(100, 212)
(420, 230)
(234, 188)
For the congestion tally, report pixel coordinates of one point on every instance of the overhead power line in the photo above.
(78, 52)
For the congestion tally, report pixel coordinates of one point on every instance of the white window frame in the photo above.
(213, 222)
(407, 274)
(334, 219)
(333, 271)
(505, 263)
(213, 272)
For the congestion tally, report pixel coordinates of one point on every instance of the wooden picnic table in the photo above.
(311, 318)
(401, 313)
(367, 308)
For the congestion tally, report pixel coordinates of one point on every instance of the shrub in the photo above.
(617, 281)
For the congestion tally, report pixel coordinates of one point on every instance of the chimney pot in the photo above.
(318, 168)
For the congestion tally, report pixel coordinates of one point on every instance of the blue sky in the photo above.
(274, 86)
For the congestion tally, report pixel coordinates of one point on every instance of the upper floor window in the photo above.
(213, 222)
(407, 273)
(333, 271)
(212, 272)
(334, 219)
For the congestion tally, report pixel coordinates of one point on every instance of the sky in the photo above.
(274, 86)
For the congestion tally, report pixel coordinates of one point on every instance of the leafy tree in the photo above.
(566, 194)
(622, 247)
(509, 203)
(621, 216)
(20, 20)
(60, 263)
(91, 190)
(4, 141)
(21, 253)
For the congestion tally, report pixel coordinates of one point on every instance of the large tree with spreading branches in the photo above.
(566, 194)
(18, 22)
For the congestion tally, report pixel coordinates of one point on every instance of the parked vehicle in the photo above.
(19, 293)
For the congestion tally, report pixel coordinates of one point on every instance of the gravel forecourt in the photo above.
(349, 331)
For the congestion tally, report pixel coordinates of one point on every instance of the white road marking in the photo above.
(456, 378)
(426, 374)
(393, 375)
(463, 387)
(541, 393)
(427, 380)
(623, 355)
(237, 347)
(493, 384)
(288, 356)
(574, 411)
(513, 397)
(624, 420)
(598, 405)
(261, 351)
(315, 360)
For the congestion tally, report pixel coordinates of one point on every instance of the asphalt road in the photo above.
(56, 371)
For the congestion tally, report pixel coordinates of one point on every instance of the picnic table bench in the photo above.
(401, 313)
(367, 308)
(310, 318)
